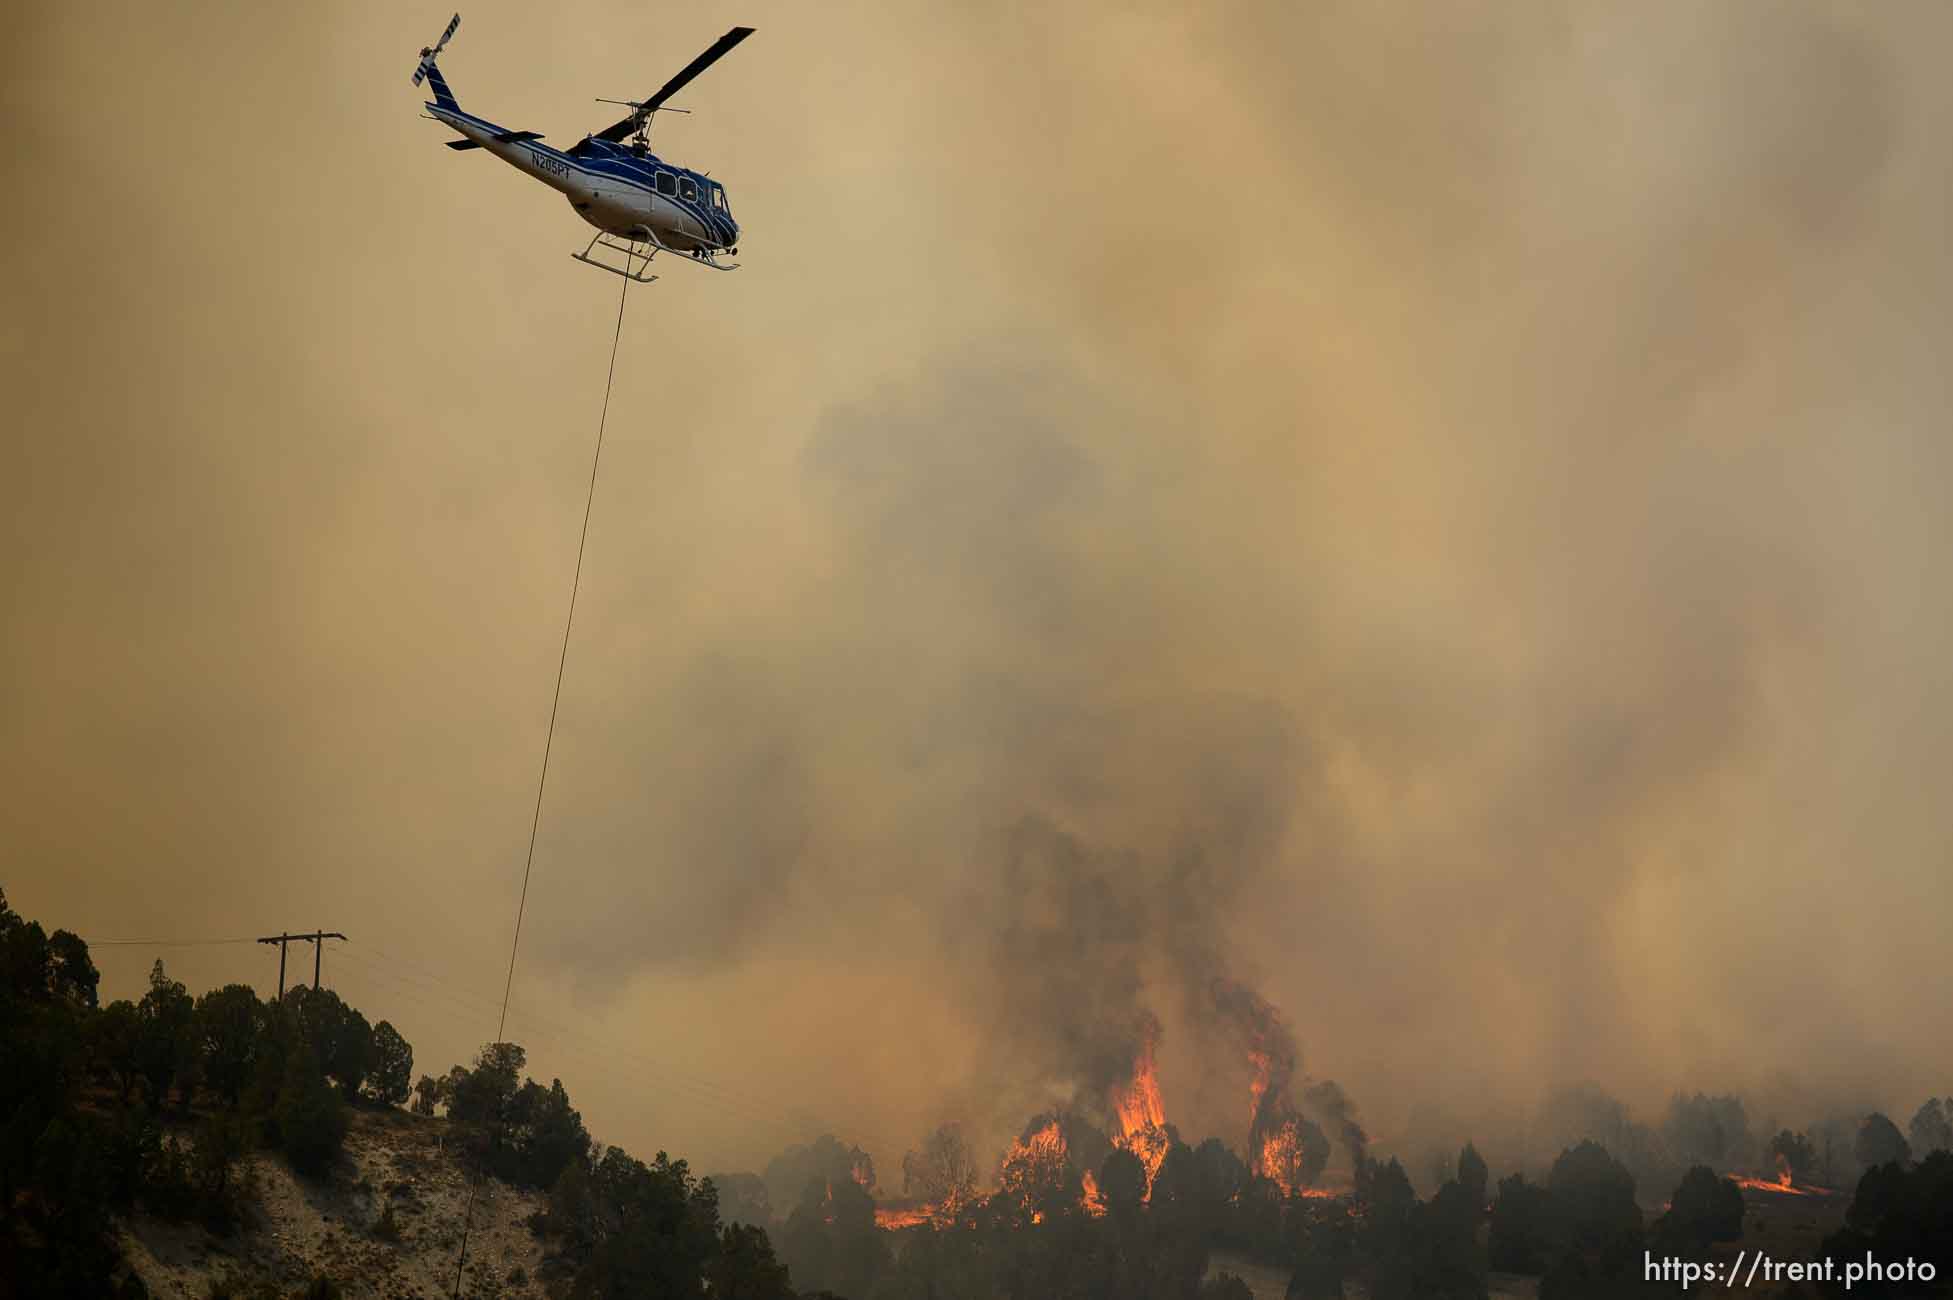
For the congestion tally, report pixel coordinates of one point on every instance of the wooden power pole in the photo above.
(317, 939)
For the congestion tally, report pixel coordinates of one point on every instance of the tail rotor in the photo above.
(432, 52)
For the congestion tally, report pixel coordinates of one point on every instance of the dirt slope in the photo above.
(300, 1229)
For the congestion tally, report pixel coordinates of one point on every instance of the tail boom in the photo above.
(443, 97)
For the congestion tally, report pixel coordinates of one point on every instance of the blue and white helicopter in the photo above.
(640, 204)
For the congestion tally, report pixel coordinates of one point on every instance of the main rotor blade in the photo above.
(676, 84)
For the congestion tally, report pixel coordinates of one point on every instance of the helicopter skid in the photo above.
(702, 255)
(636, 260)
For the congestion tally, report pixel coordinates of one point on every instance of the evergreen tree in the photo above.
(310, 1117)
(391, 1082)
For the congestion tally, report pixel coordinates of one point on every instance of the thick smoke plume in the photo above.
(1327, 1102)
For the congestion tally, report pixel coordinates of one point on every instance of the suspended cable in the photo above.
(160, 943)
(549, 741)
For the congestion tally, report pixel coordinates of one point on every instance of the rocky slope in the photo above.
(299, 1230)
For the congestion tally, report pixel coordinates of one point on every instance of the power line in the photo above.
(745, 1107)
(598, 1035)
(752, 1104)
(161, 943)
(621, 1063)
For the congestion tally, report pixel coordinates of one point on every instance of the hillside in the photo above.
(227, 1146)
(297, 1230)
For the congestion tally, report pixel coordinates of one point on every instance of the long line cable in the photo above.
(549, 742)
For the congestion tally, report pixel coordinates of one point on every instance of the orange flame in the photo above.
(1263, 1067)
(1136, 1108)
(1093, 1202)
(891, 1218)
(1138, 1104)
(1141, 1112)
(1280, 1152)
(1774, 1185)
(1282, 1158)
(1781, 1185)
(1275, 1151)
(1030, 1159)
(1150, 1145)
(1047, 1144)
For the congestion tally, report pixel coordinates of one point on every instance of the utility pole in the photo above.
(317, 939)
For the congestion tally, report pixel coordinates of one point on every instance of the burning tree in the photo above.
(1276, 1140)
(1060, 1156)
(1285, 1146)
(1038, 1176)
(824, 1160)
(1292, 1153)
(1136, 1102)
(942, 1173)
(1137, 1107)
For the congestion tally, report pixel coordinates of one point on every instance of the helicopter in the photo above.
(640, 204)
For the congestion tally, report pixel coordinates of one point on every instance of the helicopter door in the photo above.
(688, 192)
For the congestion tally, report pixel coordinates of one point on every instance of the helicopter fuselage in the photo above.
(620, 189)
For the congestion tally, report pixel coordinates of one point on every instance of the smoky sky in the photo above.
(1433, 514)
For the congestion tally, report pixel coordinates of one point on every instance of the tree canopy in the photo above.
(391, 1081)
(1931, 1128)
(1706, 1208)
(942, 1171)
(1880, 1142)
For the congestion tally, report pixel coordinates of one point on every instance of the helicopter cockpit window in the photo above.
(667, 183)
(719, 200)
(687, 188)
